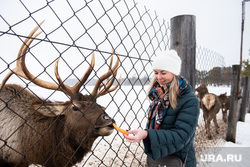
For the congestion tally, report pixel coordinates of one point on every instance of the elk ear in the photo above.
(50, 109)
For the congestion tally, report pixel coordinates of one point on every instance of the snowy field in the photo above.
(127, 106)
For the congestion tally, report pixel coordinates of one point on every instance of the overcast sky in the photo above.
(218, 23)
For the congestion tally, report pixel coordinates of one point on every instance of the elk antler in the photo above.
(19, 69)
(72, 91)
(97, 91)
(22, 70)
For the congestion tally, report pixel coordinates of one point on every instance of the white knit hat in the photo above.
(168, 61)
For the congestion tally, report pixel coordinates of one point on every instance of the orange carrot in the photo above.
(120, 130)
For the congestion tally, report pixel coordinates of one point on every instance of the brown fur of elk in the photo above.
(210, 105)
(224, 100)
(53, 134)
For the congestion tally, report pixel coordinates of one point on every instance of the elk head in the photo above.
(81, 109)
(202, 90)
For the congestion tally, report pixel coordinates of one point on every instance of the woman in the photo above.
(172, 115)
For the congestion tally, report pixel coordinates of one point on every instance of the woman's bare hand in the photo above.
(137, 136)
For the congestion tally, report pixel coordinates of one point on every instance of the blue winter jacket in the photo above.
(176, 135)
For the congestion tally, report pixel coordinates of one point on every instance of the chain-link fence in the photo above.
(72, 31)
(210, 68)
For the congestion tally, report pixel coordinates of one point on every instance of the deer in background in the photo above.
(224, 100)
(53, 134)
(210, 105)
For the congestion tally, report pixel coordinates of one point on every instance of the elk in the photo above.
(53, 134)
(210, 105)
(224, 100)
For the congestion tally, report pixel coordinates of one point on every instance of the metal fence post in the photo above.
(183, 40)
(233, 109)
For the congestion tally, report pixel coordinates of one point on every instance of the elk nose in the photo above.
(113, 120)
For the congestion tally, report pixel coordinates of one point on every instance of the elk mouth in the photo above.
(105, 130)
(104, 125)
(110, 126)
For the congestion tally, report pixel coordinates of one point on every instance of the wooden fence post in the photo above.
(233, 108)
(244, 99)
(183, 40)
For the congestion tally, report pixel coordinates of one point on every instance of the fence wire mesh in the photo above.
(72, 31)
(210, 68)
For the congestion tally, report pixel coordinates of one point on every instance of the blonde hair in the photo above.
(173, 91)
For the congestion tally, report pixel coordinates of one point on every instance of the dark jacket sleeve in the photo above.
(165, 141)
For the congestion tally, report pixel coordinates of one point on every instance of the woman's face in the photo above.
(163, 77)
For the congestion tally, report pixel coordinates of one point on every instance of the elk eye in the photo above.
(75, 108)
